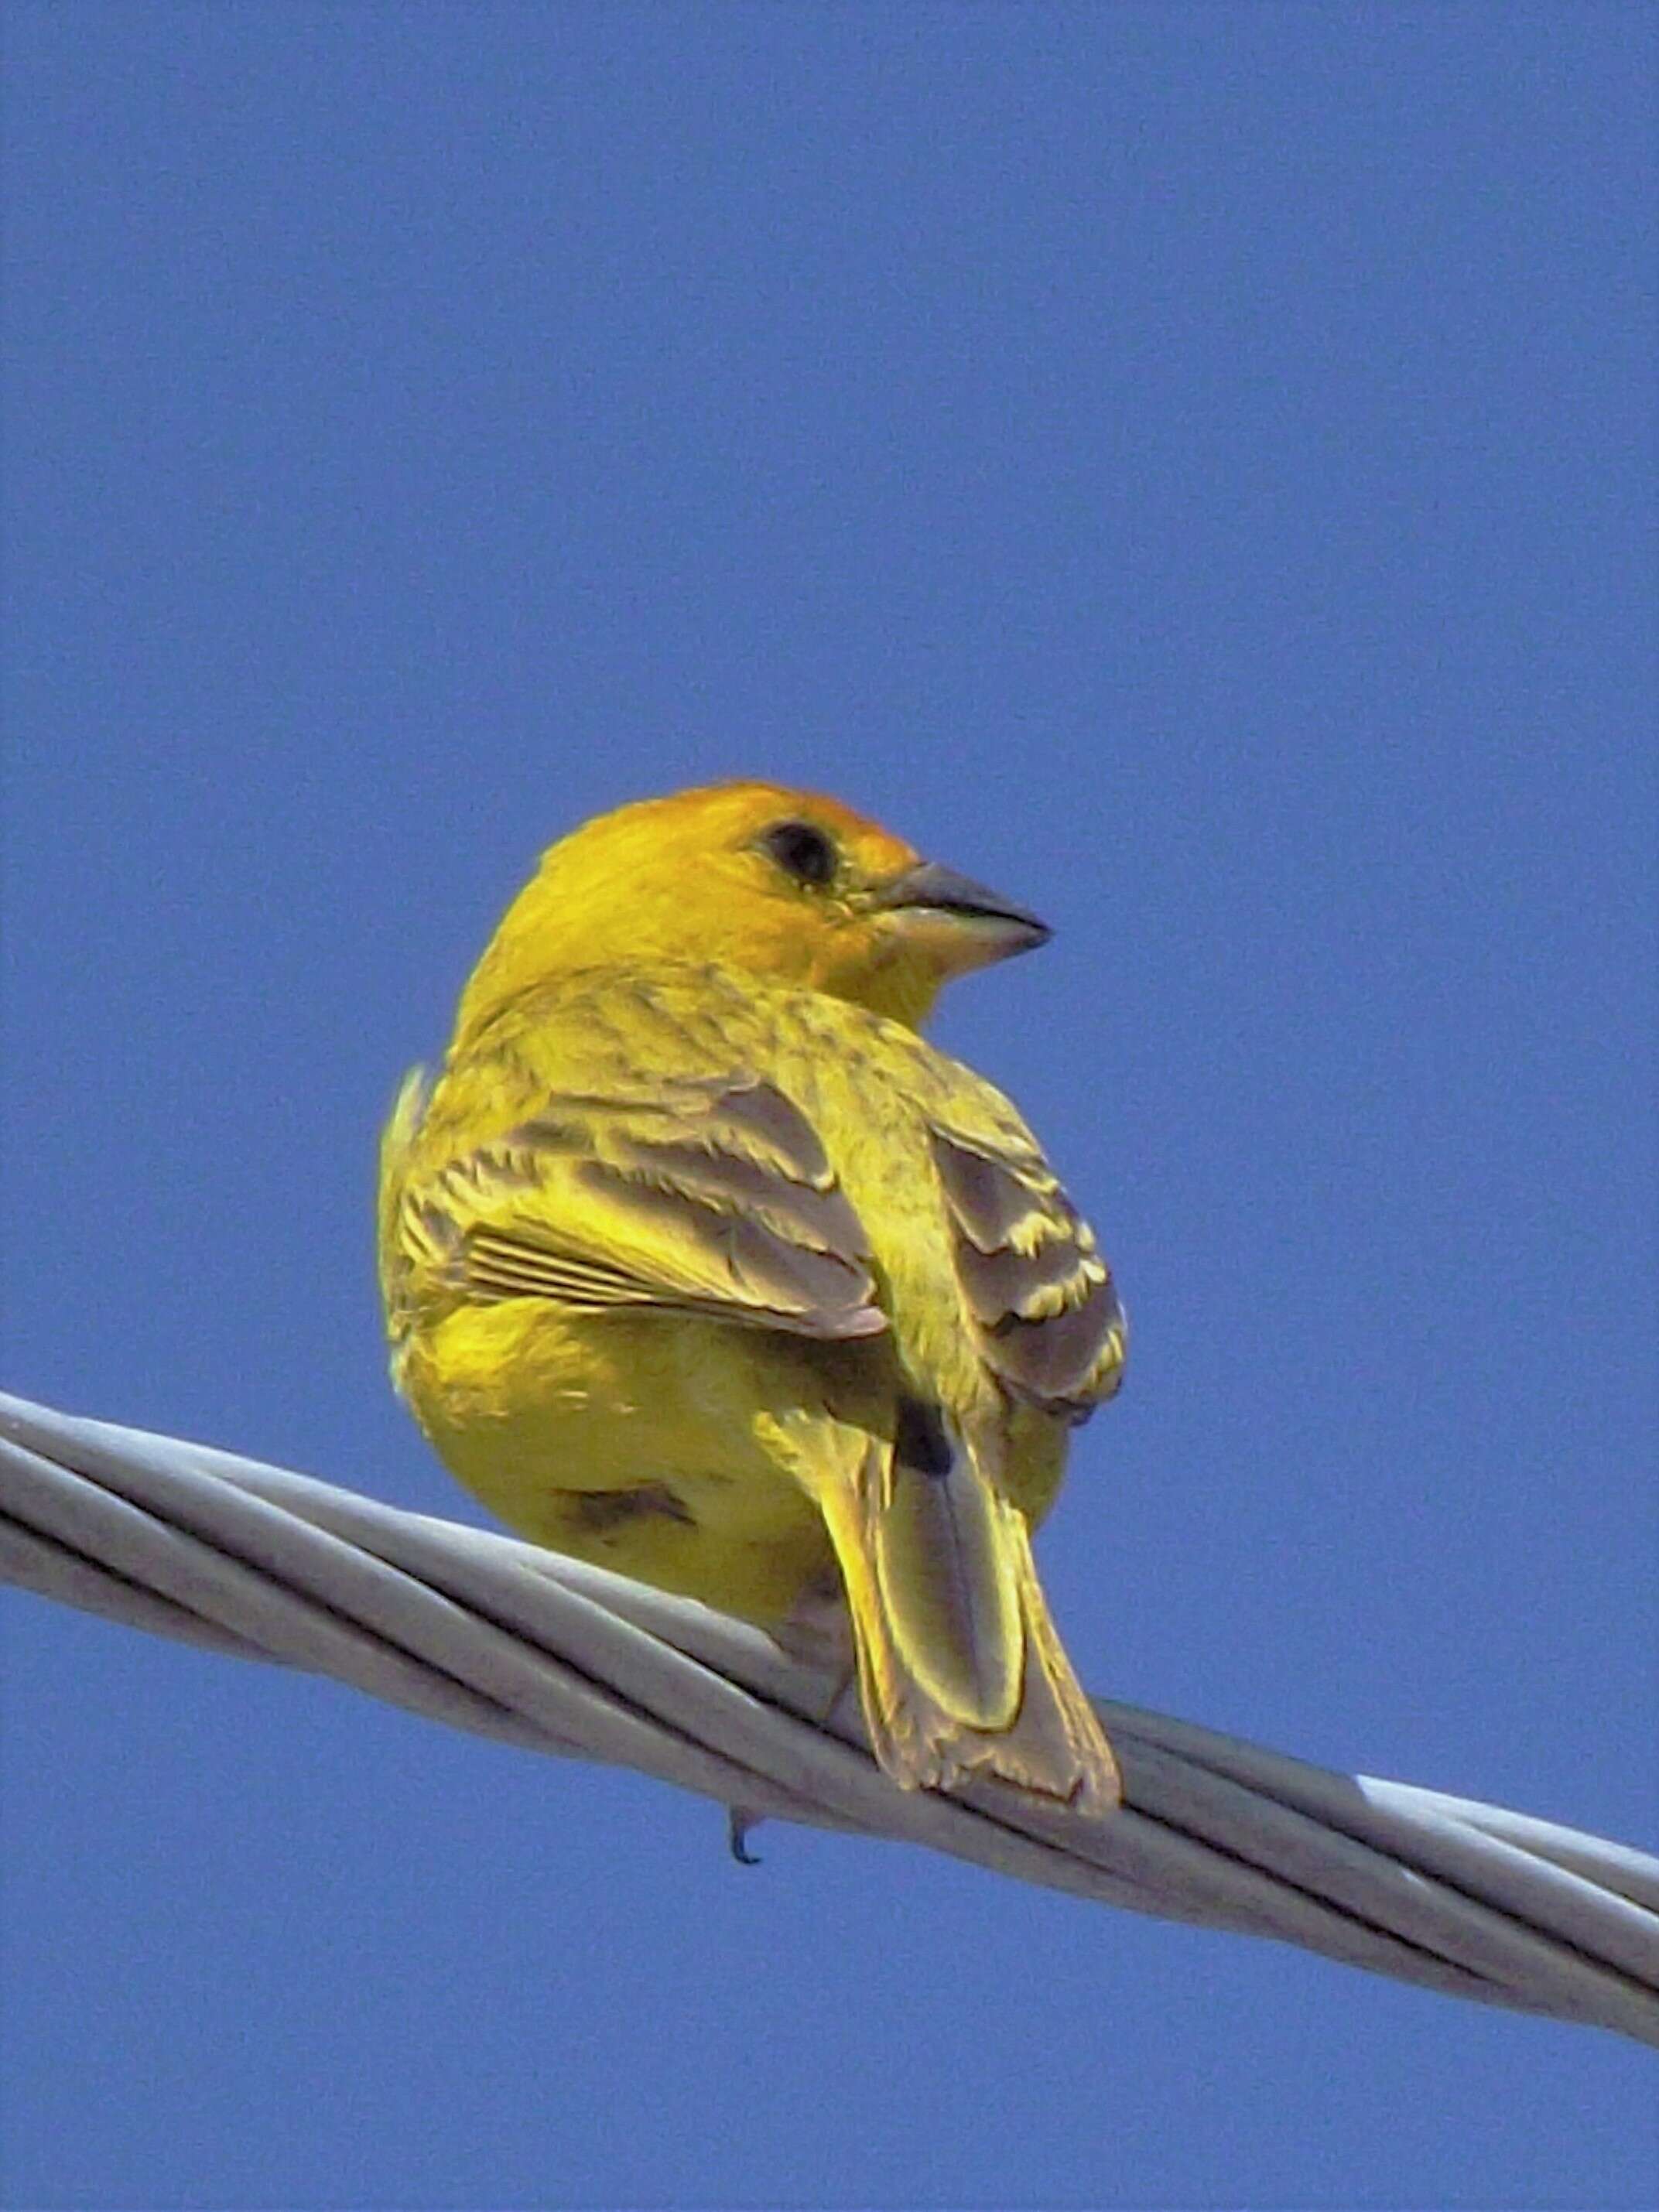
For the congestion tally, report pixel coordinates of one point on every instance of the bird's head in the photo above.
(785, 884)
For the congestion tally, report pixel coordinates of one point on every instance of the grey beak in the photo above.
(946, 892)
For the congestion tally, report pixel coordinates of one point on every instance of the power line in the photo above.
(546, 1652)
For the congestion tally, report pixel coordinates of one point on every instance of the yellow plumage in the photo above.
(699, 1262)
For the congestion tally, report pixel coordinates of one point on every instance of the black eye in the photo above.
(801, 851)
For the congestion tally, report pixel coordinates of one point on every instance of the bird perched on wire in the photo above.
(700, 1263)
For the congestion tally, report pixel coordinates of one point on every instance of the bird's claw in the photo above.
(739, 1825)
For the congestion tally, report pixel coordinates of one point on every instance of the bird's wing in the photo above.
(710, 1196)
(1040, 1295)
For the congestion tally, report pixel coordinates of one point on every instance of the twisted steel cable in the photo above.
(499, 1636)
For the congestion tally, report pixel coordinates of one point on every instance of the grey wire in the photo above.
(515, 1643)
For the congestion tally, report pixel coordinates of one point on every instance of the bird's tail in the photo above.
(961, 1669)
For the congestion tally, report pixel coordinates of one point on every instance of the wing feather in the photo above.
(709, 1197)
(1049, 1322)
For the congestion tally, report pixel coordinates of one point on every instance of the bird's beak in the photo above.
(959, 922)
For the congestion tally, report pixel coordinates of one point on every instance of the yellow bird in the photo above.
(699, 1263)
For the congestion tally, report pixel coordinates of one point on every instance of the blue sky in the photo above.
(1191, 467)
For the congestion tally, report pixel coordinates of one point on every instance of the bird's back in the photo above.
(993, 1294)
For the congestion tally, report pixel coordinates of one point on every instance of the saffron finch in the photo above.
(700, 1263)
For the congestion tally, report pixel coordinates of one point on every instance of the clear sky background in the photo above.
(1192, 467)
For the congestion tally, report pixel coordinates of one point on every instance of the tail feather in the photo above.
(944, 1573)
(961, 1670)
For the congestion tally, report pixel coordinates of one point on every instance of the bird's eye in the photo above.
(801, 851)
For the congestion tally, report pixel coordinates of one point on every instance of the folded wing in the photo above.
(710, 1197)
(1048, 1319)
